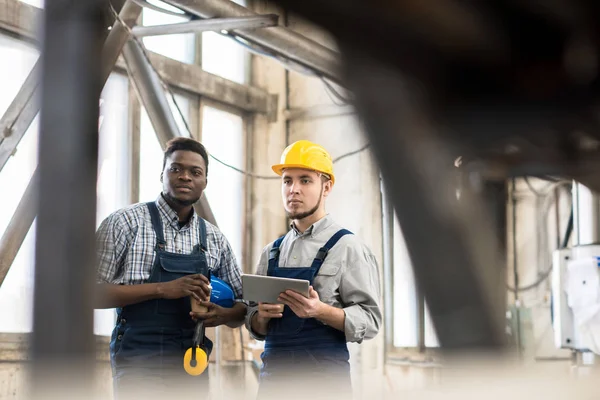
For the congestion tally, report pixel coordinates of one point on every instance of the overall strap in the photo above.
(156, 224)
(274, 255)
(322, 253)
(202, 228)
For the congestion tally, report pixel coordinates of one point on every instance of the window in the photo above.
(180, 47)
(20, 167)
(431, 339)
(151, 153)
(112, 189)
(16, 292)
(35, 3)
(409, 319)
(114, 148)
(222, 56)
(17, 289)
(405, 303)
(224, 138)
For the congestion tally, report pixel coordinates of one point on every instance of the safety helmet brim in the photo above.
(279, 168)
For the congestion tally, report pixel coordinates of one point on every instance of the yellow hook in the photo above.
(197, 366)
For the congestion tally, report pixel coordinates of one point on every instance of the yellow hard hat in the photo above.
(306, 155)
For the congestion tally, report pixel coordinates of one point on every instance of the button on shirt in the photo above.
(126, 242)
(348, 279)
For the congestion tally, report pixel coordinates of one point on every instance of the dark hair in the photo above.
(187, 144)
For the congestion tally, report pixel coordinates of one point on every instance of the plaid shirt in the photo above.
(125, 246)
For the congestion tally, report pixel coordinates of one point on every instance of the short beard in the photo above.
(181, 203)
(299, 216)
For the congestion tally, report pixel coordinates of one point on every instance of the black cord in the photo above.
(366, 146)
(240, 170)
(534, 190)
(546, 273)
(331, 91)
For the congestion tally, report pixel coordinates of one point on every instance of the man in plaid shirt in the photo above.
(154, 257)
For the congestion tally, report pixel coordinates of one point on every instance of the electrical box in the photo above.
(562, 316)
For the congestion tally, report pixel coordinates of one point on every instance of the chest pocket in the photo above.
(212, 260)
(329, 268)
(327, 281)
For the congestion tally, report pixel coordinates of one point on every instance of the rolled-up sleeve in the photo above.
(261, 269)
(228, 269)
(360, 294)
(111, 249)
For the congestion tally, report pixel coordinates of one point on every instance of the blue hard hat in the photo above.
(221, 293)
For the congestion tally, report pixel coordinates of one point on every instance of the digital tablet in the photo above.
(266, 289)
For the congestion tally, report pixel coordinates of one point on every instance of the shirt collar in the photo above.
(170, 214)
(315, 228)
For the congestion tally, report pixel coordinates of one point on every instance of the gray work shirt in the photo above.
(348, 279)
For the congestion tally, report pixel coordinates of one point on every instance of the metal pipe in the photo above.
(150, 91)
(586, 215)
(283, 41)
(63, 347)
(207, 25)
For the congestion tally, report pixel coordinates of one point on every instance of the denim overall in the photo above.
(297, 348)
(150, 338)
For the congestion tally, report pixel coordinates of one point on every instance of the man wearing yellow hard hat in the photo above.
(307, 342)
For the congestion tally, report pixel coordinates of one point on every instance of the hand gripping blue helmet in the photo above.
(221, 293)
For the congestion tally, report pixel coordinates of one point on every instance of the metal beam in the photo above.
(25, 21)
(193, 79)
(150, 92)
(152, 95)
(283, 41)
(63, 342)
(118, 36)
(207, 25)
(19, 226)
(25, 106)
(203, 209)
(19, 115)
(22, 20)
